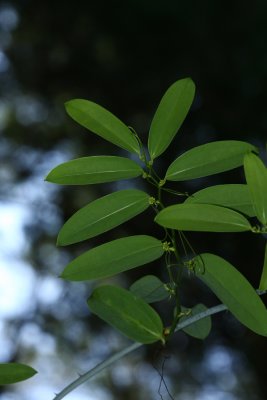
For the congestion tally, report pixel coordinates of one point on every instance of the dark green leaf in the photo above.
(208, 159)
(13, 372)
(102, 122)
(199, 329)
(234, 196)
(150, 289)
(232, 288)
(127, 313)
(170, 115)
(94, 169)
(102, 215)
(202, 217)
(114, 257)
(256, 176)
(263, 281)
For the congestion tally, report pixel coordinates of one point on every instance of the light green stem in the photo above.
(111, 360)
(118, 356)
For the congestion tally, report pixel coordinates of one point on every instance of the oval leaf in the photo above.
(235, 196)
(208, 159)
(127, 313)
(170, 115)
(263, 281)
(232, 288)
(114, 257)
(94, 169)
(199, 329)
(150, 289)
(102, 215)
(14, 372)
(202, 217)
(256, 176)
(102, 122)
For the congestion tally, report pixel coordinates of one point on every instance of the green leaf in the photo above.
(256, 176)
(14, 372)
(233, 289)
(202, 217)
(102, 122)
(263, 281)
(127, 313)
(199, 329)
(170, 115)
(235, 196)
(149, 288)
(94, 169)
(114, 257)
(208, 159)
(102, 215)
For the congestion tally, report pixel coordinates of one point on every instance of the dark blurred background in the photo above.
(122, 55)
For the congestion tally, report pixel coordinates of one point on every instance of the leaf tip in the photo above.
(189, 79)
(48, 178)
(63, 275)
(67, 103)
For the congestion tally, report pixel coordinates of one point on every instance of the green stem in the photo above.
(96, 370)
(159, 193)
(118, 356)
(177, 286)
(175, 192)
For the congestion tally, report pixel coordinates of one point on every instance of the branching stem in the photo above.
(118, 356)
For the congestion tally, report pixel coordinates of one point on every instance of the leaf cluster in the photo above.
(219, 208)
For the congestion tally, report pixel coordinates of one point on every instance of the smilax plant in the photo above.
(220, 208)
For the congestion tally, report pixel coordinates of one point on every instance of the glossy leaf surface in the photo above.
(263, 281)
(102, 122)
(114, 257)
(94, 169)
(233, 289)
(202, 217)
(150, 288)
(103, 214)
(208, 159)
(127, 313)
(199, 329)
(170, 115)
(14, 372)
(235, 196)
(256, 177)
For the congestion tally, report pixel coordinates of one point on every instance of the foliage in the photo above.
(221, 208)
(14, 372)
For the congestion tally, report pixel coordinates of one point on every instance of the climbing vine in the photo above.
(220, 208)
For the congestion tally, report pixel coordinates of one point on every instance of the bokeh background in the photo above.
(122, 55)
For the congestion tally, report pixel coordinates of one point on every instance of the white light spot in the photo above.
(49, 290)
(16, 288)
(31, 336)
(218, 360)
(13, 242)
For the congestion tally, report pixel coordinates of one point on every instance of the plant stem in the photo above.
(177, 284)
(115, 357)
(118, 356)
(96, 370)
